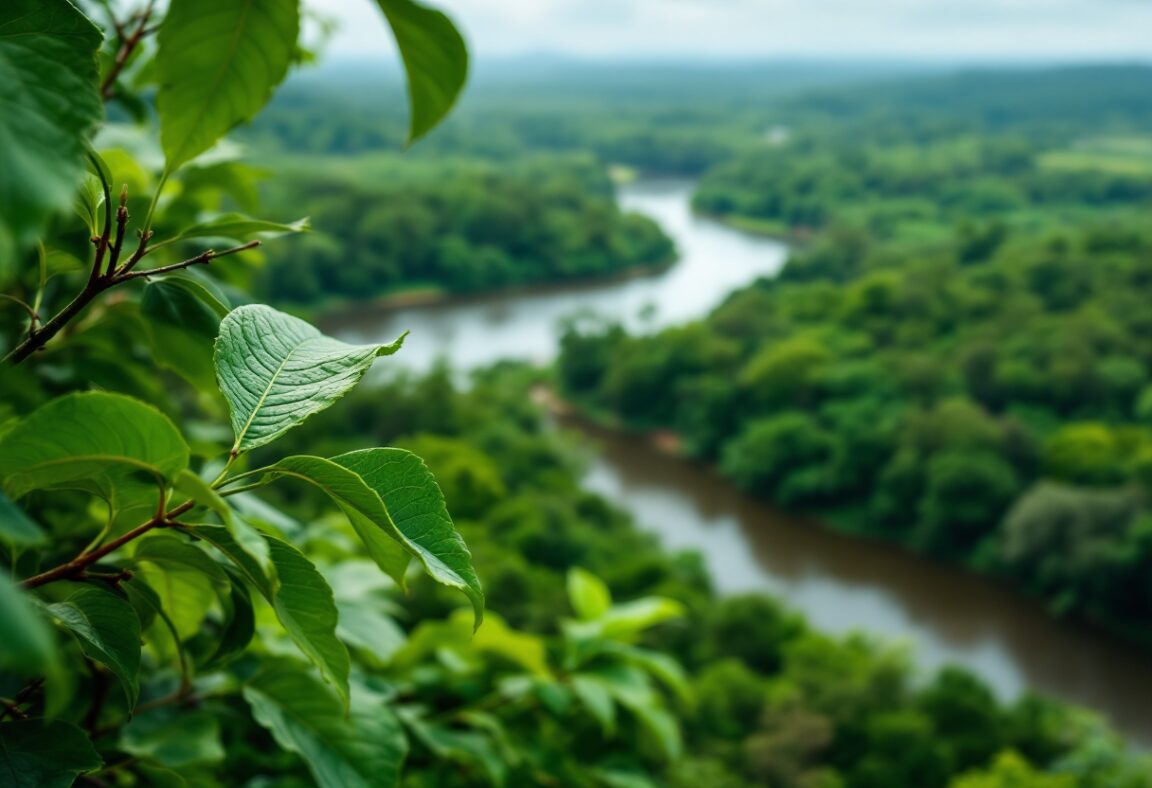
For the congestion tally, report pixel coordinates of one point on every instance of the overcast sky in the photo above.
(936, 29)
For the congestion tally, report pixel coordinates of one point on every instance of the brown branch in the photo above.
(201, 259)
(121, 228)
(23, 696)
(142, 249)
(128, 44)
(98, 281)
(10, 707)
(76, 567)
(185, 694)
(37, 339)
(182, 695)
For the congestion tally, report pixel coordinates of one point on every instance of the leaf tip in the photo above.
(392, 347)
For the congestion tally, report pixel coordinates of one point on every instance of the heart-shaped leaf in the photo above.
(276, 370)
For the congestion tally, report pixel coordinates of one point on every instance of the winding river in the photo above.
(840, 583)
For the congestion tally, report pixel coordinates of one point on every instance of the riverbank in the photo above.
(671, 444)
(765, 228)
(844, 582)
(432, 296)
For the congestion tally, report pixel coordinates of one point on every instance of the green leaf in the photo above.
(17, 528)
(159, 630)
(238, 227)
(183, 329)
(203, 289)
(303, 601)
(363, 748)
(470, 748)
(371, 485)
(27, 643)
(35, 755)
(363, 626)
(362, 506)
(632, 618)
(174, 738)
(435, 60)
(107, 629)
(90, 441)
(88, 202)
(589, 596)
(185, 578)
(172, 302)
(663, 666)
(597, 699)
(239, 626)
(632, 690)
(276, 370)
(250, 540)
(416, 507)
(217, 62)
(48, 106)
(660, 724)
(525, 649)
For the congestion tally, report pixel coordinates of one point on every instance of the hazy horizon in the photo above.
(916, 31)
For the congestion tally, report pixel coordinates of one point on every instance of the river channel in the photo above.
(839, 583)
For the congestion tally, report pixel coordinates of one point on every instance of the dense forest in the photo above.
(956, 360)
(386, 225)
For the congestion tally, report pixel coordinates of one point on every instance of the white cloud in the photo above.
(979, 29)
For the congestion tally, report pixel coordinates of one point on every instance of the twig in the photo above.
(183, 695)
(22, 697)
(10, 707)
(128, 44)
(35, 318)
(81, 562)
(121, 228)
(200, 259)
(98, 281)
